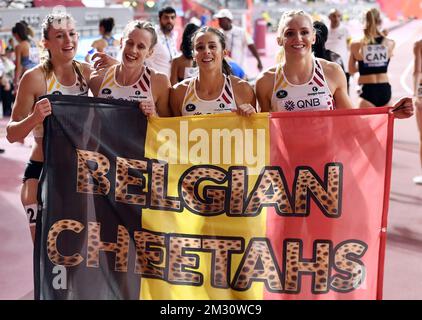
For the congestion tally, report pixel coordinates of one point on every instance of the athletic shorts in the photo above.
(33, 170)
(376, 93)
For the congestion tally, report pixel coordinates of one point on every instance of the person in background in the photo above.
(338, 40)
(107, 43)
(182, 66)
(319, 49)
(370, 56)
(237, 39)
(165, 50)
(27, 54)
(2, 73)
(6, 80)
(237, 70)
(417, 85)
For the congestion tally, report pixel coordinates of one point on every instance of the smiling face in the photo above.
(297, 35)
(136, 47)
(62, 40)
(208, 51)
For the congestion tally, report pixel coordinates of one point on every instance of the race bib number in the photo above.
(31, 213)
(375, 55)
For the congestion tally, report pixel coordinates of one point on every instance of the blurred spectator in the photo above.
(7, 68)
(165, 50)
(237, 39)
(319, 49)
(338, 40)
(236, 69)
(26, 52)
(107, 43)
(182, 67)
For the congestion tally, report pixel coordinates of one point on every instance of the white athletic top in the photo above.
(314, 95)
(140, 90)
(193, 105)
(78, 88)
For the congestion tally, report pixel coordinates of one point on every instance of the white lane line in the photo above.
(404, 76)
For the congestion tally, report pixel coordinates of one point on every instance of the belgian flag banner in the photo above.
(272, 206)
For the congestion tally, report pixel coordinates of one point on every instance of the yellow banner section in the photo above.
(204, 146)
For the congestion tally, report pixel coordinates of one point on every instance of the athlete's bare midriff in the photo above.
(373, 78)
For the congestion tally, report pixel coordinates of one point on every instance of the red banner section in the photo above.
(327, 241)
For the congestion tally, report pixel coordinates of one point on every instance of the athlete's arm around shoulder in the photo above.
(96, 78)
(86, 70)
(264, 89)
(337, 83)
(177, 95)
(24, 118)
(243, 92)
(160, 85)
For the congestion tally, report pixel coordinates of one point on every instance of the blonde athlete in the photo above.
(370, 56)
(131, 79)
(57, 74)
(214, 90)
(302, 82)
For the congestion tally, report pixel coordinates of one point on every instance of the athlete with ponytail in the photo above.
(300, 76)
(370, 56)
(214, 89)
(58, 73)
(27, 52)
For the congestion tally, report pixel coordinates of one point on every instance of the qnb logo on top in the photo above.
(308, 103)
(289, 105)
(302, 104)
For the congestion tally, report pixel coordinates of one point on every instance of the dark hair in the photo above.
(21, 30)
(321, 38)
(186, 45)
(107, 24)
(318, 48)
(168, 10)
(227, 70)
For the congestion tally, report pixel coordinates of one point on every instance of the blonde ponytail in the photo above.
(372, 20)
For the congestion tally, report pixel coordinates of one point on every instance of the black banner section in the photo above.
(85, 236)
